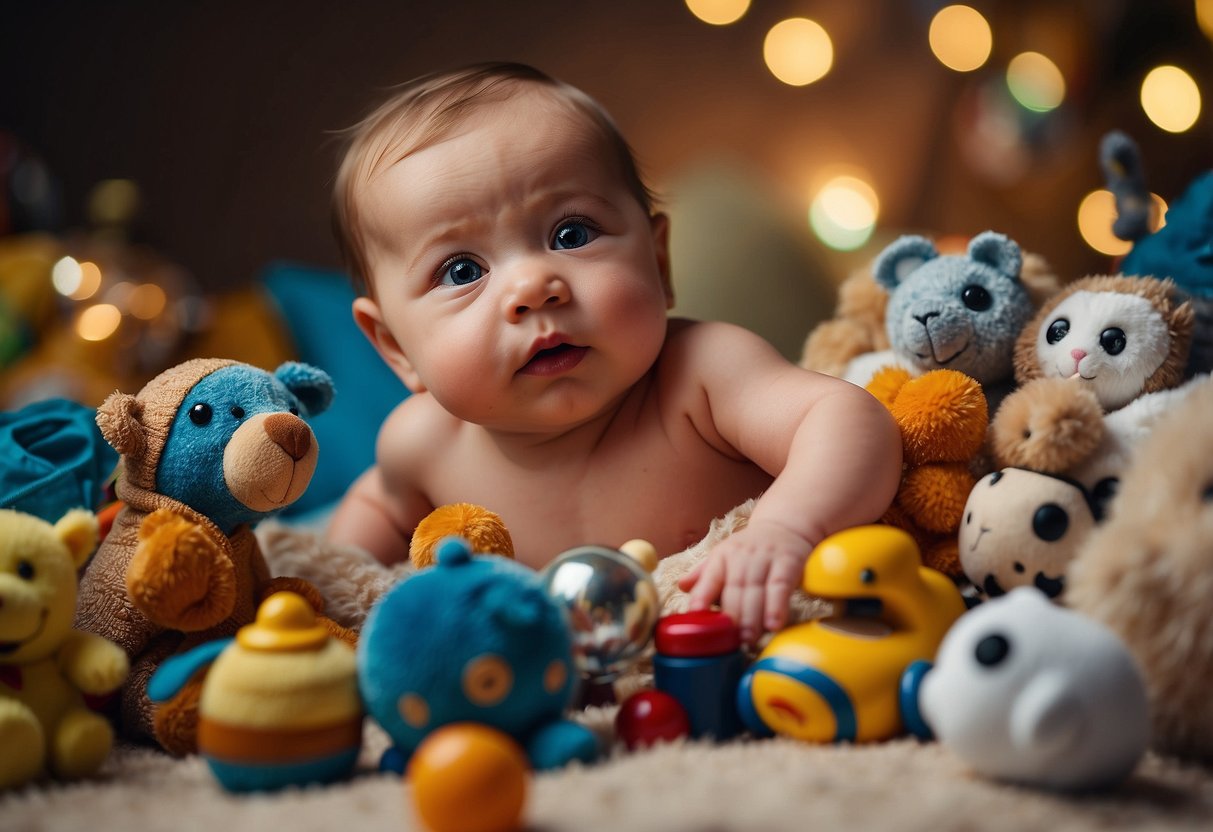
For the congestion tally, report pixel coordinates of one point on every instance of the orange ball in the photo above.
(467, 777)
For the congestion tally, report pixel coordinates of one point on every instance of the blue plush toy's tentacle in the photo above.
(900, 257)
(1123, 173)
(560, 742)
(311, 385)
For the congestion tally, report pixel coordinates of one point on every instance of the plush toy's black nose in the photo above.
(289, 433)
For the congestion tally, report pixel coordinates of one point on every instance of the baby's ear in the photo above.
(370, 321)
(900, 258)
(997, 251)
(119, 418)
(660, 224)
(311, 385)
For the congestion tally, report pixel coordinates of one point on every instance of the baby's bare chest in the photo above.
(664, 490)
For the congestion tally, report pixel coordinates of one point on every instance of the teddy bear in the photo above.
(956, 311)
(208, 448)
(858, 325)
(1121, 336)
(942, 416)
(1146, 572)
(46, 667)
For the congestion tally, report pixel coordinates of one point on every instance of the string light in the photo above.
(1097, 212)
(718, 12)
(843, 214)
(1035, 82)
(798, 51)
(1170, 98)
(98, 322)
(960, 38)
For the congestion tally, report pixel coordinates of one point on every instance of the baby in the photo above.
(517, 279)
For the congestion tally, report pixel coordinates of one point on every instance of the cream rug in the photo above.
(763, 785)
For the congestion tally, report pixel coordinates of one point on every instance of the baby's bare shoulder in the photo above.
(700, 350)
(417, 429)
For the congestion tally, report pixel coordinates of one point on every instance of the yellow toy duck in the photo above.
(853, 675)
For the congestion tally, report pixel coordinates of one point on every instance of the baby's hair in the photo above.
(424, 111)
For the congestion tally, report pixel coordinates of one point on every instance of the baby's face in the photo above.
(517, 278)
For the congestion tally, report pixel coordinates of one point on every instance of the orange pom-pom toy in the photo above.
(483, 529)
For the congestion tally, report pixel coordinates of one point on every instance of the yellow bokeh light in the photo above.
(1204, 17)
(66, 276)
(844, 212)
(1170, 98)
(718, 12)
(1097, 212)
(98, 322)
(147, 301)
(960, 38)
(798, 51)
(1035, 82)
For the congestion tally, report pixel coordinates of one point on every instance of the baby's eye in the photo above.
(461, 272)
(1113, 340)
(1057, 330)
(573, 234)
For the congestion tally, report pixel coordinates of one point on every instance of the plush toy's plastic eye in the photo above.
(238, 411)
(1057, 330)
(1113, 340)
(976, 298)
(992, 650)
(294, 411)
(201, 414)
(487, 680)
(1050, 522)
(25, 570)
(554, 677)
(867, 576)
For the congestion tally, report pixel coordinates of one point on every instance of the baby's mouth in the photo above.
(554, 360)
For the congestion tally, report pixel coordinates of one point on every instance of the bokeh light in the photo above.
(1204, 17)
(1097, 212)
(1035, 82)
(66, 275)
(960, 38)
(718, 12)
(1170, 98)
(798, 51)
(146, 301)
(843, 214)
(98, 322)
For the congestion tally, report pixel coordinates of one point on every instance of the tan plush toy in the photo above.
(46, 667)
(209, 448)
(1147, 572)
(943, 417)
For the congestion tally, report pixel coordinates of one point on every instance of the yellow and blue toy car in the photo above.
(854, 675)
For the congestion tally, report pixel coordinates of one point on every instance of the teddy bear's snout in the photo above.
(20, 610)
(289, 433)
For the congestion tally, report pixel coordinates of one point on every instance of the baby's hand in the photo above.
(753, 572)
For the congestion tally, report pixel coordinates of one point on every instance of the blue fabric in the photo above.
(315, 306)
(53, 458)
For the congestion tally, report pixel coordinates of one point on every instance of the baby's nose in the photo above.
(533, 291)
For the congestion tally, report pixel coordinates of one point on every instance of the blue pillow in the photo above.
(315, 306)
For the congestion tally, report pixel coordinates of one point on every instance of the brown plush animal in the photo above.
(208, 448)
(1147, 572)
(943, 418)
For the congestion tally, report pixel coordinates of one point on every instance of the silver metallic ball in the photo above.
(612, 607)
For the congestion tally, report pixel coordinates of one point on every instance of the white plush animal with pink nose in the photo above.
(1026, 691)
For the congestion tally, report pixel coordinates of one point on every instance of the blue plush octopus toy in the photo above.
(472, 639)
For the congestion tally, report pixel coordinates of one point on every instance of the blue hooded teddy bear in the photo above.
(472, 639)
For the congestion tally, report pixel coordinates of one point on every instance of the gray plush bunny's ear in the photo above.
(999, 252)
(311, 385)
(900, 258)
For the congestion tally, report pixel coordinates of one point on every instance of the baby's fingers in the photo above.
(753, 597)
(688, 580)
(781, 581)
(708, 583)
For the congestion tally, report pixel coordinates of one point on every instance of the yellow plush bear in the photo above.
(45, 665)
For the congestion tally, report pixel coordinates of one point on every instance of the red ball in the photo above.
(650, 716)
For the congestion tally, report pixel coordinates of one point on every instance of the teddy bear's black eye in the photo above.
(294, 410)
(991, 650)
(201, 414)
(976, 298)
(1050, 522)
(25, 570)
(238, 411)
(1057, 330)
(1113, 340)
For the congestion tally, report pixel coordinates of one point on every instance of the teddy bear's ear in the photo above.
(119, 418)
(900, 258)
(78, 529)
(999, 252)
(311, 385)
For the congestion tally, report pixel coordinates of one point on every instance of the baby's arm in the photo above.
(835, 453)
(382, 508)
